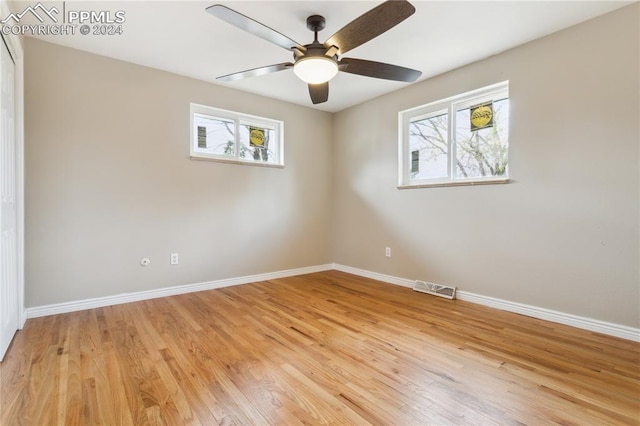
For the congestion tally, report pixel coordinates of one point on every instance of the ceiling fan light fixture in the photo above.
(316, 63)
(315, 69)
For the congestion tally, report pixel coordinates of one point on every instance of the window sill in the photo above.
(240, 162)
(455, 183)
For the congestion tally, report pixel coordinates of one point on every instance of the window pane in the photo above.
(483, 152)
(213, 135)
(428, 147)
(258, 143)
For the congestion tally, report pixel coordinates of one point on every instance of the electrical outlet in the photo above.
(174, 259)
(387, 251)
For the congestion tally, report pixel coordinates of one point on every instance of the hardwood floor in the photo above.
(320, 348)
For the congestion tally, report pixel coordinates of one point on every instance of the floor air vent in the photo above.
(435, 289)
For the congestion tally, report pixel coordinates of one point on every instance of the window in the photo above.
(220, 135)
(456, 141)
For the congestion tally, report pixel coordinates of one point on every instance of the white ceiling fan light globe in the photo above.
(315, 70)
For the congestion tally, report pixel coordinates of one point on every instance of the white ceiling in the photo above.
(180, 37)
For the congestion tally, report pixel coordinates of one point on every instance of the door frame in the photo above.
(14, 43)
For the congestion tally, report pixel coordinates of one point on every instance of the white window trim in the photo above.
(451, 105)
(237, 118)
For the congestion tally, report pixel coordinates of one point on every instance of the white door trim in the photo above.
(15, 47)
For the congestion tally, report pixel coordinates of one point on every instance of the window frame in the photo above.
(451, 105)
(238, 119)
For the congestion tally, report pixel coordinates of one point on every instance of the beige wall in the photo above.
(108, 181)
(564, 234)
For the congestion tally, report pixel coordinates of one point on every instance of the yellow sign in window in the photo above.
(481, 116)
(256, 137)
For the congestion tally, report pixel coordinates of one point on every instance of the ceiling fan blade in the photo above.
(379, 70)
(255, 72)
(252, 26)
(319, 92)
(370, 25)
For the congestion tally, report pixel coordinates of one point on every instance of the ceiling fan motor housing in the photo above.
(314, 50)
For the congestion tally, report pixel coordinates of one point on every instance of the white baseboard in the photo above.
(611, 329)
(603, 327)
(590, 324)
(99, 302)
(374, 275)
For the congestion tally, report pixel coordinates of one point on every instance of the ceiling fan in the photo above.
(317, 63)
